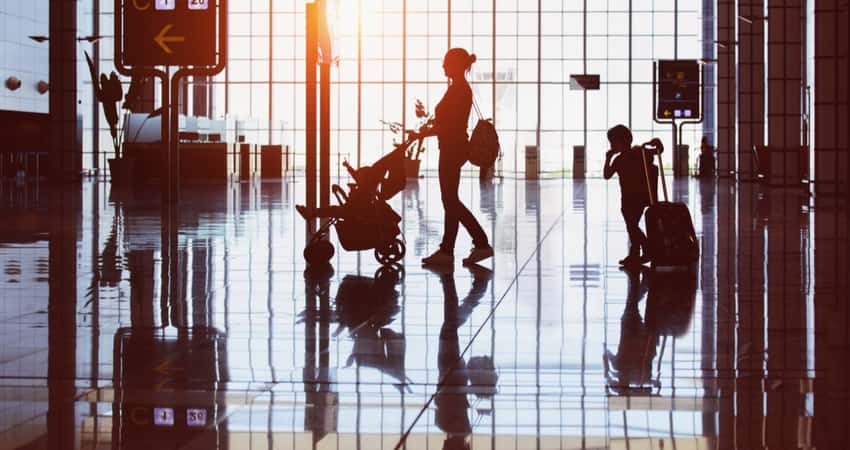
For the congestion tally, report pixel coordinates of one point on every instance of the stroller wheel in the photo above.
(391, 252)
(318, 252)
(390, 273)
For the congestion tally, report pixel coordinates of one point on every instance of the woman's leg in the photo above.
(449, 177)
(456, 211)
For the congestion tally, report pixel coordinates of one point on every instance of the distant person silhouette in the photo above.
(451, 117)
(706, 159)
(457, 379)
(625, 161)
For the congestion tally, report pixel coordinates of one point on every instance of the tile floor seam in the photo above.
(481, 327)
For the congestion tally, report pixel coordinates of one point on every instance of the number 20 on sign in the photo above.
(198, 4)
(168, 5)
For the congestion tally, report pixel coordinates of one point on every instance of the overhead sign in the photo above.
(169, 33)
(678, 89)
(584, 82)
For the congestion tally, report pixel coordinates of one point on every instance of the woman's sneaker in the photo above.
(439, 258)
(478, 254)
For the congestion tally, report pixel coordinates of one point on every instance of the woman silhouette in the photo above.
(451, 117)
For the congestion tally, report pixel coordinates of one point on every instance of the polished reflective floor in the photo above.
(222, 340)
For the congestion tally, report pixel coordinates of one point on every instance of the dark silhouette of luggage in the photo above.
(670, 233)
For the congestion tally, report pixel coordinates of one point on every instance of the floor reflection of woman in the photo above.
(451, 117)
(450, 400)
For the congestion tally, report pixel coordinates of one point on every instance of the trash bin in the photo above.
(680, 161)
(532, 169)
(579, 164)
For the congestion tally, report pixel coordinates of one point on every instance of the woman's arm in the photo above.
(452, 113)
(609, 169)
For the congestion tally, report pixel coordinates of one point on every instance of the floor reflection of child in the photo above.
(632, 365)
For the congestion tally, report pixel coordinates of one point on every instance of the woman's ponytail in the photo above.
(459, 58)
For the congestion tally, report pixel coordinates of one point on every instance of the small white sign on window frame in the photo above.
(199, 4)
(165, 5)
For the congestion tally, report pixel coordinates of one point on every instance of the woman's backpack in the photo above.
(484, 142)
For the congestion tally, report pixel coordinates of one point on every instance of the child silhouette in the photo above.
(625, 161)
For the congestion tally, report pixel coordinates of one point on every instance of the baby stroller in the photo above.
(363, 219)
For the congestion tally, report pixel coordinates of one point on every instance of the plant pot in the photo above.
(411, 167)
(121, 171)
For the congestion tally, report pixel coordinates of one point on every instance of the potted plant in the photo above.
(109, 92)
(414, 150)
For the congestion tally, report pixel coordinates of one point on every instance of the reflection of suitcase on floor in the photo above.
(670, 233)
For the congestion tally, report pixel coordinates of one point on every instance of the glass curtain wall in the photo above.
(390, 54)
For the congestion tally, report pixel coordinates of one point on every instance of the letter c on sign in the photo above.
(141, 5)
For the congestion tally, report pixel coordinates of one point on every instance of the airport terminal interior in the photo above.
(214, 215)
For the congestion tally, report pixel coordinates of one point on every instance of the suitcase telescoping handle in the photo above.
(653, 147)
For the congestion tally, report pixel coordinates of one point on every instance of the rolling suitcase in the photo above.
(670, 233)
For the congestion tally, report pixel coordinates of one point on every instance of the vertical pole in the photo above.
(493, 52)
(171, 227)
(675, 29)
(675, 56)
(449, 30)
(271, 71)
(630, 64)
(311, 59)
(403, 66)
(584, 70)
(165, 135)
(165, 196)
(539, 69)
(359, 76)
(177, 89)
(95, 124)
(493, 87)
(324, 107)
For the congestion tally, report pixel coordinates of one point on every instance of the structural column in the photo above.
(785, 70)
(709, 70)
(750, 84)
(726, 88)
(832, 122)
(65, 153)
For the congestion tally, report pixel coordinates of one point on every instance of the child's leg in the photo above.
(637, 239)
(320, 213)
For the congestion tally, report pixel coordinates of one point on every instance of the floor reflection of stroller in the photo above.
(366, 306)
(363, 219)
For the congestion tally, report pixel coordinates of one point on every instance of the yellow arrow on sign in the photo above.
(162, 39)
